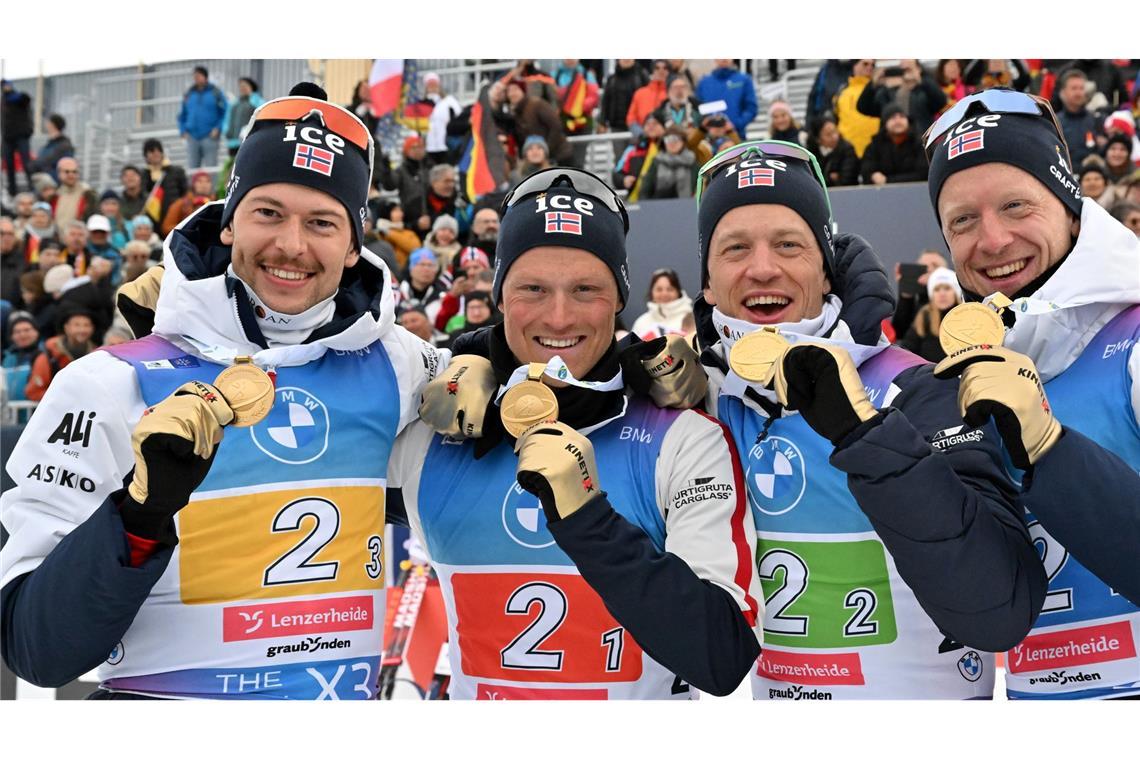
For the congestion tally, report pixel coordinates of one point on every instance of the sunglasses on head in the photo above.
(580, 181)
(999, 101)
(333, 117)
(762, 149)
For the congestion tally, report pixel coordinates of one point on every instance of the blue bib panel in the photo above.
(1087, 634)
(276, 589)
(839, 621)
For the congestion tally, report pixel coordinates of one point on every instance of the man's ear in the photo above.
(826, 285)
(709, 299)
(227, 234)
(1075, 228)
(351, 256)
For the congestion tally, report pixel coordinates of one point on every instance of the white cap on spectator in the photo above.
(431, 76)
(943, 276)
(57, 277)
(98, 223)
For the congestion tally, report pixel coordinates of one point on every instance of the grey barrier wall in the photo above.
(897, 220)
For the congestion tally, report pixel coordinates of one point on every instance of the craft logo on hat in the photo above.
(1061, 160)
(756, 178)
(967, 142)
(566, 222)
(313, 159)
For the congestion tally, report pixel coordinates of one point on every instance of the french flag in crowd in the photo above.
(967, 142)
(384, 84)
(314, 159)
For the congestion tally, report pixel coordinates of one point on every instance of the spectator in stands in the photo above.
(410, 179)
(23, 347)
(1106, 77)
(714, 134)
(415, 320)
(836, 156)
(1095, 183)
(673, 173)
(51, 253)
(856, 127)
(1077, 122)
(168, 178)
(238, 112)
(48, 313)
(200, 120)
(12, 263)
(1118, 157)
(34, 298)
(111, 207)
(534, 157)
(445, 109)
(136, 260)
(201, 193)
(142, 229)
(986, 73)
(75, 246)
(44, 187)
(484, 232)
(679, 67)
(99, 245)
(948, 75)
(680, 107)
(735, 89)
(133, 196)
(92, 293)
(23, 203)
(907, 86)
(943, 293)
(465, 276)
(58, 146)
(1127, 213)
(39, 227)
(478, 312)
(617, 96)
(61, 350)
(577, 89)
(666, 306)
(649, 97)
(392, 231)
(421, 286)
(910, 302)
(444, 240)
(782, 123)
(75, 199)
(895, 154)
(638, 156)
(17, 127)
(443, 195)
(833, 76)
(361, 106)
(534, 116)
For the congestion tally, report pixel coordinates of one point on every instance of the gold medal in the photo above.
(528, 402)
(970, 324)
(754, 356)
(247, 389)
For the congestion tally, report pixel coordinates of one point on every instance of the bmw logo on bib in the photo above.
(970, 666)
(296, 430)
(524, 519)
(775, 476)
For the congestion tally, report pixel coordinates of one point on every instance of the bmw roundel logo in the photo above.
(524, 520)
(970, 666)
(296, 430)
(775, 475)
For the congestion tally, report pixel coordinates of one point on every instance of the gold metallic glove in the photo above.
(821, 382)
(1003, 384)
(556, 464)
(455, 403)
(674, 368)
(137, 299)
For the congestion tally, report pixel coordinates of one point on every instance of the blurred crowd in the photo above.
(65, 246)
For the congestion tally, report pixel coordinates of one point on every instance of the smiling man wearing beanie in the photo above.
(888, 532)
(233, 434)
(1065, 387)
(623, 525)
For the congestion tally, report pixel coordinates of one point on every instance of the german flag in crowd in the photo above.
(573, 107)
(153, 205)
(484, 163)
(32, 248)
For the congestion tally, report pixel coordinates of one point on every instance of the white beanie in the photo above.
(57, 277)
(943, 276)
(445, 220)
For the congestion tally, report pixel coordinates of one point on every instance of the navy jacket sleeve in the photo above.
(64, 618)
(1088, 498)
(949, 516)
(687, 624)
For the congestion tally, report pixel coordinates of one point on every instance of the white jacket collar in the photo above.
(198, 310)
(1099, 279)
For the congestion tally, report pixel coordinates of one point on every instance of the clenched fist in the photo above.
(822, 383)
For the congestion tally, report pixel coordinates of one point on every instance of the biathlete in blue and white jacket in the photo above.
(892, 553)
(1012, 213)
(190, 558)
(605, 556)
